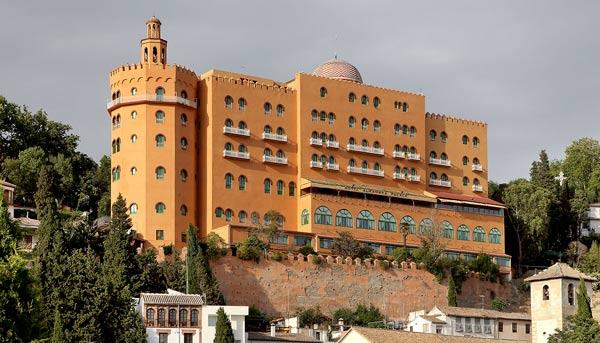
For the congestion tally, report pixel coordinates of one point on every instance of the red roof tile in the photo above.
(467, 198)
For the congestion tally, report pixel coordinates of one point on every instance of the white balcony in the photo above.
(399, 154)
(316, 141)
(477, 167)
(477, 188)
(332, 144)
(413, 178)
(440, 183)
(399, 176)
(316, 164)
(125, 100)
(332, 166)
(365, 171)
(275, 159)
(236, 154)
(413, 157)
(439, 162)
(364, 149)
(235, 131)
(274, 137)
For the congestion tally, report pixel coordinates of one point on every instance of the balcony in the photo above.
(236, 154)
(332, 144)
(413, 178)
(316, 164)
(364, 149)
(332, 166)
(316, 142)
(399, 176)
(439, 162)
(413, 157)
(440, 183)
(477, 167)
(365, 171)
(275, 159)
(398, 154)
(235, 131)
(274, 137)
(477, 188)
(126, 100)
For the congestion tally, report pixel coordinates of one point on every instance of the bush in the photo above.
(345, 245)
(361, 316)
(310, 316)
(400, 254)
(277, 256)
(347, 314)
(306, 250)
(384, 264)
(499, 304)
(215, 246)
(487, 269)
(251, 248)
(168, 249)
(316, 259)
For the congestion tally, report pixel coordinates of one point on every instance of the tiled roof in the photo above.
(279, 337)
(467, 198)
(482, 313)
(172, 299)
(6, 184)
(338, 69)
(393, 336)
(559, 271)
(433, 319)
(28, 222)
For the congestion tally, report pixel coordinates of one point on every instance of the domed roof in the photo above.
(153, 19)
(338, 69)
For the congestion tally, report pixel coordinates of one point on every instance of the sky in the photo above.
(530, 69)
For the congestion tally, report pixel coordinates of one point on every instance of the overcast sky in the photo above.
(530, 69)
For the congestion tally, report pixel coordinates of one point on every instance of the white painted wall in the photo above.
(237, 316)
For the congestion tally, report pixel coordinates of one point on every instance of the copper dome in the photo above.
(338, 69)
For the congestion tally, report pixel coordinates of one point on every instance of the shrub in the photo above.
(277, 256)
(347, 314)
(215, 246)
(499, 304)
(384, 264)
(306, 250)
(251, 248)
(168, 249)
(400, 254)
(316, 259)
(486, 268)
(310, 316)
(367, 316)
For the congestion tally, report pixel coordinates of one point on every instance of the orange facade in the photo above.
(328, 152)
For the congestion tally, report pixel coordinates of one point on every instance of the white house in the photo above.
(24, 216)
(237, 317)
(593, 225)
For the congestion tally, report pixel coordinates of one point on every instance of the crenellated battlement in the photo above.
(248, 82)
(141, 66)
(455, 119)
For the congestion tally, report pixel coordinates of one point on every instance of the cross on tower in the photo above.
(561, 178)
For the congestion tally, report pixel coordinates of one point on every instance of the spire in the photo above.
(153, 47)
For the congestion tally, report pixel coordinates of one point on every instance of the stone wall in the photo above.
(279, 288)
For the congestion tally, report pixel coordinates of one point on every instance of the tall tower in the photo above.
(153, 110)
(554, 299)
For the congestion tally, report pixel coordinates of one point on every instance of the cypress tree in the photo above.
(584, 309)
(200, 277)
(223, 330)
(452, 292)
(580, 328)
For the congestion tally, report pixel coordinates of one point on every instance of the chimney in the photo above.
(272, 330)
(341, 324)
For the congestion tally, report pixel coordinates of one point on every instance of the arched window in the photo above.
(267, 152)
(404, 129)
(413, 150)
(160, 140)
(364, 100)
(194, 317)
(228, 123)
(161, 317)
(242, 104)
(476, 181)
(465, 160)
(465, 181)
(267, 108)
(365, 220)
(387, 222)
(332, 138)
(323, 137)
(218, 212)
(183, 175)
(133, 170)
(242, 125)
(404, 107)
(365, 165)
(183, 210)
(242, 148)
(160, 207)
(351, 141)
(432, 135)
(304, 217)
(228, 181)
(413, 171)
(406, 172)
(397, 148)
(444, 177)
(364, 123)
(443, 156)
(426, 226)
(323, 92)
(364, 143)
(133, 138)
(228, 102)
(280, 153)
(267, 129)
(570, 294)
(183, 317)
(184, 119)
(413, 131)
(432, 154)
(314, 158)
(478, 234)
(242, 215)
(377, 166)
(184, 94)
(160, 172)
(242, 182)
(228, 214)
(133, 208)
(351, 122)
(183, 143)
(409, 223)
(447, 229)
(331, 160)
(546, 293)
(292, 189)
(397, 129)
(150, 315)
(160, 93)
(314, 115)
(495, 236)
(331, 118)
(475, 141)
(323, 116)
(160, 117)
(323, 159)
(133, 114)
(280, 131)
(376, 126)
(280, 110)
(463, 233)
(323, 216)
(280, 187)
(267, 184)
(343, 218)
(432, 176)
(443, 137)
(133, 91)
(352, 163)
(376, 102)
(465, 139)
(351, 97)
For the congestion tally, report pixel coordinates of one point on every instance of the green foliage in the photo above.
(173, 272)
(362, 315)
(400, 254)
(316, 259)
(223, 330)
(168, 249)
(347, 314)
(151, 277)
(306, 250)
(487, 269)
(581, 328)
(256, 320)
(346, 245)
(499, 304)
(251, 249)
(277, 256)
(215, 246)
(309, 316)
(541, 174)
(452, 293)
(200, 277)
(581, 158)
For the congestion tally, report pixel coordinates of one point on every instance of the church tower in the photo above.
(153, 111)
(554, 299)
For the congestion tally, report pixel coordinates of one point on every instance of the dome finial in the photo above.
(338, 69)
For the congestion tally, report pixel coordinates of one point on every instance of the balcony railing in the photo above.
(332, 144)
(477, 167)
(439, 161)
(440, 183)
(477, 188)
(399, 154)
(332, 166)
(236, 154)
(413, 178)
(399, 176)
(236, 131)
(487, 329)
(124, 100)
(274, 137)
(365, 171)
(413, 157)
(316, 141)
(316, 164)
(275, 159)
(364, 149)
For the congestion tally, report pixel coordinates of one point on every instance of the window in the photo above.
(267, 152)
(150, 315)
(184, 119)
(133, 114)
(495, 236)
(443, 137)
(432, 176)
(323, 116)
(409, 223)
(376, 102)
(242, 182)
(463, 233)
(323, 92)
(331, 118)
(351, 141)
(267, 129)
(305, 217)
(228, 181)
(280, 187)
(314, 115)
(404, 107)
(160, 93)
(352, 163)
(527, 328)
(242, 148)
(163, 337)
(465, 181)
(183, 175)
(242, 104)
(267, 108)
(280, 154)
(364, 143)
(323, 216)
(302, 241)
(160, 117)
(183, 143)
(160, 173)
(413, 131)
(444, 177)
(404, 129)
(160, 208)
(343, 218)
(183, 317)
(160, 140)
(133, 208)
(325, 243)
(280, 131)
(194, 318)
(465, 160)
(160, 235)
(292, 189)
(447, 229)
(267, 184)
(546, 293)
(172, 317)
(387, 222)
(184, 94)
(228, 102)
(133, 170)
(377, 166)
(476, 161)
(365, 220)
(365, 165)
(476, 182)
(133, 138)
(280, 110)
(133, 91)
(364, 123)
(465, 139)
(228, 214)
(397, 129)
(242, 125)
(364, 100)
(351, 97)
(218, 212)
(376, 126)
(514, 327)
(432, 154)
(500, 326)
(242, 215)
(279, 239)
(475, 142)
(432, 135)
(478, 234)
(426, 226)
(116, 145)
(351, 122)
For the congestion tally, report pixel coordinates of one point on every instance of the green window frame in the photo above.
(365, 220)
(447, 229)
(343, 218)
(387, 222)
(479, 234)
(304, 217)
(495, 236)
(410, 222)
(323, 216)
(463, 233)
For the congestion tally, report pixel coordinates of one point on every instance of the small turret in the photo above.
(153, 48)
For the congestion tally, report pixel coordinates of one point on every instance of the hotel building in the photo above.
(325, 150)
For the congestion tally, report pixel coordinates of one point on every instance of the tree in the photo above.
(173, 271)
(251, 248)
(307, 317)
(580, 328)
(581, 158)
(151, 278)
(346, 245)
(24, 171)
(452, 292)
(367, 316)
(215, 245)
(200, 277)
(269, 228)
(541, 175)
(223, 330)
